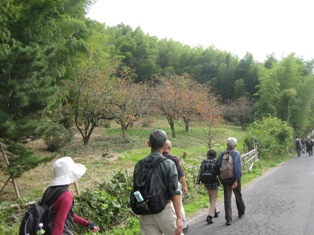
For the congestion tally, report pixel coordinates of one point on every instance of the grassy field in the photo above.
(108, 152)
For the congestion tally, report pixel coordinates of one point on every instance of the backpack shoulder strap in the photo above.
(228, 152)
(52, 194)
(159, 160)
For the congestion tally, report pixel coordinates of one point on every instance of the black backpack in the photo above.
(40, 212)
(208, 173)
(309, 143)
(147, 183)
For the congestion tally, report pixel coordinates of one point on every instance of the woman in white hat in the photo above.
(66, 172)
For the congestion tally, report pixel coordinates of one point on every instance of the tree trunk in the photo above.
(186, 126)
(173, 130)
(87, 131)
(124, 128)
(171, 123)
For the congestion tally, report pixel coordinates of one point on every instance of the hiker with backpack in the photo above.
(181, 179)
(309, 146)
(298, 145)
(59, 218)
(208, 176)
(230, 173)
(155, 195)
(303, 141)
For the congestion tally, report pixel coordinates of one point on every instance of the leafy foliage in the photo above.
(25, 161)
(128, 100)
(88, 99)
(57, 136)
(182, 97)
(108, 204)
(239, 112)
(39, 40)
(271, 135)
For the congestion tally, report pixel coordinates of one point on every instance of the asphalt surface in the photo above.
(280, 202)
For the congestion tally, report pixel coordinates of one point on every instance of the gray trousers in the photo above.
(227, 200)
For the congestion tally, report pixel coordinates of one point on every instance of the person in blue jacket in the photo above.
(233, 184)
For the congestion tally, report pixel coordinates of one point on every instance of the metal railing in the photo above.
(248, 160)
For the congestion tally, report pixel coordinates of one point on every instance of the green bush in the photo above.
(271, 135)
(108, 204)
(10, 218)
(57, 136)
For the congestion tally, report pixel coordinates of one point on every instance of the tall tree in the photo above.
(88, 99)
(128, 101)
(247, 70)
(196, 101)
(268, 90)
(39, 40)
(42, 36)
(240, 112)
(179, 97)
(164, 96)
(240, 89)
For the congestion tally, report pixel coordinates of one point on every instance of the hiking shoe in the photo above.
(228, 223)
(209, 219)
(216, 214)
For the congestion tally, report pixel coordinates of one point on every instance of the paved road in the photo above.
(281, 202)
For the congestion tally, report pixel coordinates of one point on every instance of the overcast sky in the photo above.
(261, 27)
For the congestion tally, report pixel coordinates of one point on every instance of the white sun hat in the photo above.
(66, 171)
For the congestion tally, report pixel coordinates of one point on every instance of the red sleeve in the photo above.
(79, 220)
(62, 207)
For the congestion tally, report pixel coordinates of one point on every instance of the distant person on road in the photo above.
(182, 180)
(303, 141)
(232, 184)
(169, 220)
(212, 188)
(309, 146)
(298, 145)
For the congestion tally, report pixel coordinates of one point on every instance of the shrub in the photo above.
(108, 204)
(271, 135)
(57, 136)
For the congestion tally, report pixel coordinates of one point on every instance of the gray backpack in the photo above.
(226, 167)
